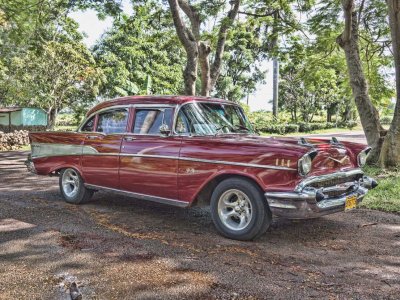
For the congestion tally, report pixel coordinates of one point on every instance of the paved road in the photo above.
(121, 248)
(351, 136)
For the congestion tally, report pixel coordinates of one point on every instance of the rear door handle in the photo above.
(92, 137)
(129, 138)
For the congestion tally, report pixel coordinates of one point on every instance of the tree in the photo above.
(198, 49)
(243, 55)
(56, 74)
(348, 41)
(390, 152)
(140, 54)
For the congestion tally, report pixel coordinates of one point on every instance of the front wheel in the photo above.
(72, 187)
(239, 210)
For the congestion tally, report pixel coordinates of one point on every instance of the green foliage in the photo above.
(386, 120)
(241, 71)
(141, 54)
(386, 196)
(66, 120)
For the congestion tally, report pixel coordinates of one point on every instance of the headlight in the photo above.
(305, 163)
(362, 157)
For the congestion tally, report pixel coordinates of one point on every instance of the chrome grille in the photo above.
(335, 181)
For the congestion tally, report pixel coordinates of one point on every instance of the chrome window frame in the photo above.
(176, 107)
(155, 107)
(127, 107)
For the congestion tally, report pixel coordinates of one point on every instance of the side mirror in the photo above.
(165, 130)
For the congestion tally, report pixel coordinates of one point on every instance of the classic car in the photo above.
(186, 151)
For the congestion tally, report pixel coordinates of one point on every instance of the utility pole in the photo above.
(275, 86)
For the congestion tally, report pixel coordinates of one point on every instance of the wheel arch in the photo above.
(203, 196)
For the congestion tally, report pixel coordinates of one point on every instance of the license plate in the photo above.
(351, 202)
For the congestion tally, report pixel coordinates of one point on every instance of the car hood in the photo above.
(330, 156)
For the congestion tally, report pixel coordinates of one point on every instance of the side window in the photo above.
(88, 125)
(148, 121)
(113, 121)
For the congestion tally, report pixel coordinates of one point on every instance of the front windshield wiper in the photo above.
(241, 127)
(218, 130)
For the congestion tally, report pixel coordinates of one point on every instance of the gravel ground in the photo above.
(122, 248)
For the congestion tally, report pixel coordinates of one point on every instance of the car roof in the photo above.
(173, 100)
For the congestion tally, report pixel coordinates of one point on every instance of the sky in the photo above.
(90, 24)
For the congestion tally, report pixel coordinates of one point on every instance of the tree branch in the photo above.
(184, 34)
(194, 18)
(226, 24)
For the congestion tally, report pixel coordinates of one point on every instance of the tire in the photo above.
(72, 187)
(239, 209)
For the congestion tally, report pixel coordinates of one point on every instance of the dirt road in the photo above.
(121, 248)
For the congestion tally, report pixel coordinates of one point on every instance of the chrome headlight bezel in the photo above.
(362, 157)
(305, 163)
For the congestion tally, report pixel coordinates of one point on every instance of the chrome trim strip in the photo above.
(50, 150)
(162, 200)
(210, 161)
(320, 178)
(88, 150)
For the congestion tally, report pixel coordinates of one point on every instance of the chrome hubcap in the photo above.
(234, 209)
(70, 183)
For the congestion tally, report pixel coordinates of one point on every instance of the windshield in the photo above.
(211, 119)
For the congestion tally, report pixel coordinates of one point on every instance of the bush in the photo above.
(386, 120)
(65, 120)
(349, 124)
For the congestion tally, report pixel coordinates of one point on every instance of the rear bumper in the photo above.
(307, 201)
(30, 165)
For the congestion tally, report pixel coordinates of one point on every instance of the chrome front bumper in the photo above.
(308, 201)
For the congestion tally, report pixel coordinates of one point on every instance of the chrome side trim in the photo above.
(73, 150)
(238, 164)
(162, 200)
(49, 150)
(222, 162)
(320, 178)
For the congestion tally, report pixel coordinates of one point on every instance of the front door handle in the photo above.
(92, 137)
(129, 138)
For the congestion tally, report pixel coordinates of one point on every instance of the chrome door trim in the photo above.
(64, 150)
(162, 200)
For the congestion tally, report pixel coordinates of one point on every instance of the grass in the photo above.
(386, 196)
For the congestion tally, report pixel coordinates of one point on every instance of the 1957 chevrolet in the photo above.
(186, 151)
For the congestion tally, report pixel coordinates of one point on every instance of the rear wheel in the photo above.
(239, 209)
(72, 187)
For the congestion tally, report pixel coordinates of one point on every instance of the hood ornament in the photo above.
(342, 161)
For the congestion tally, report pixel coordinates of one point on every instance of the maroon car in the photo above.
(187, 151)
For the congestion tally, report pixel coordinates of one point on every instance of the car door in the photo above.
(100, 159)
(149, 161)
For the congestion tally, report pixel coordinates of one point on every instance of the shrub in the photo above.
(65, 120)
(349, 124)
(386, 120)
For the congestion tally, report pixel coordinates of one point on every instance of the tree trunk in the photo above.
(190, 72)
(204, 51)
(188, 41)
(275, 87)
(51, 118)
(390, 153)
(348, 41)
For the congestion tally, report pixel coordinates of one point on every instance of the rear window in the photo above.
(113, 121)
